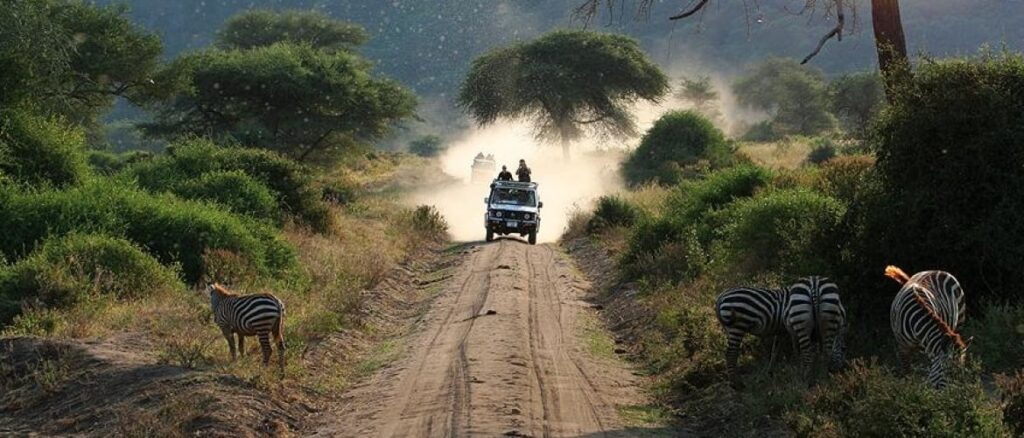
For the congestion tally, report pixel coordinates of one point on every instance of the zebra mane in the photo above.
(223, 291)
(901, 277)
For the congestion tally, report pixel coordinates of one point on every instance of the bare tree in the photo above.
(885, 18)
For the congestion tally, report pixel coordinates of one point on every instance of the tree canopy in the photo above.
(702, 94)
(293, 98)
(793, 96)
(678, 140)
(855, 99)
(261, 28)
(71, 58)
(567, 83)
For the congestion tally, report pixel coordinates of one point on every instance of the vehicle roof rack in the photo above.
(514, 184)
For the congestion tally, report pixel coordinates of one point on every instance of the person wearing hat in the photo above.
(523, 172)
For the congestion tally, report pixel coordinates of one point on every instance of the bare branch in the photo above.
(836, 32)
(700, 5)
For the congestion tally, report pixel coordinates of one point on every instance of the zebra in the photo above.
(260, 315)
(924, 317)
(809, 311)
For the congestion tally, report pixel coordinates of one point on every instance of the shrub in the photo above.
(109, 163)
(949, 156)
(171, 229)
(998, 336)
(426, 146)
(612, 211)
(71, 268)
(868, 401)
(1011, 389)
(339, 191)
(428, 222)
(844, 177)
(233, 189)
(785, 232)
(677, 140)
(822, 150)
(761, 132)
(290, 182)
(40, 151)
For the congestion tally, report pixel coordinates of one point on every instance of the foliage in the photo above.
(290, 182)
(426, 146)
(951, 174)
(998, 336)
(566, 83)
(234, 189)
(868, 401)
(38, 150)
(845, 177)
(701, 94)
(305, 103)
(794, 96)
(110, 163)
(612, 211)
(1011, 389)
(822, 150)
(685, 220)
(71, 58)
(783, 232)
(855, 99)
(679, 137)
(172, 230)
(68, 269)
(428, 222)
(262, 28)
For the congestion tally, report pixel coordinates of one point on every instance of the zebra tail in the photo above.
(896, 274)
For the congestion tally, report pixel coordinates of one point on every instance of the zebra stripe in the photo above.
(816, 318)
(810, 311)
(260, 315)
(917, 326)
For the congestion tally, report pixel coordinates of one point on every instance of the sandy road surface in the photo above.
(520, 371)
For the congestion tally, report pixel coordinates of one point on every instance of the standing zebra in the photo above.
(809, 311)
(924, 317)
(260, 315)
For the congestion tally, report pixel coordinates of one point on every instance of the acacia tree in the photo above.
(701, 94)
(885, 19)
(260, 28)
(568, 83)
(793, 96)
(856, 98)
(306, 102)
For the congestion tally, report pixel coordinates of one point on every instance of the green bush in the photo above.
(845, 177)
(761, 132)
(109, 163)
(822, 150)
(612, 211)
(998, 336)
(685, 214)
(868, 401)
(428, 222)
(426, 146)
(171, 229)
(233, 189)
(679, 138)
(290, 181)
(68, 269)
(36, 150)
(787, 233)
(949, 155)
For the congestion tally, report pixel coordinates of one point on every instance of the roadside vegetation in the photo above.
(918, 183)
(100, 245)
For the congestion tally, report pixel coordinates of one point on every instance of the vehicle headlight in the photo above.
(497, 214)
(527, 216)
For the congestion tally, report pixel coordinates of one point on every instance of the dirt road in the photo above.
(500, 352)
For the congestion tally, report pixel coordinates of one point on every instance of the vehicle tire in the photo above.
(533, 238)
(490, 235)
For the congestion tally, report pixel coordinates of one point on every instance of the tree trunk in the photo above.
(565, 149)
(891, 44)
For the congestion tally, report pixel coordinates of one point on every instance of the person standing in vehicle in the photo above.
(504, 175)
(523, 172)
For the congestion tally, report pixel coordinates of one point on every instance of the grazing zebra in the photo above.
(809, 311)
(924, 317)
(260, 315)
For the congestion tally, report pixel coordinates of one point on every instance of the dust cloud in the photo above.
(563, 186)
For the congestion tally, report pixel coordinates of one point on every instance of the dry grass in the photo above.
(788, 153)
(649, 198)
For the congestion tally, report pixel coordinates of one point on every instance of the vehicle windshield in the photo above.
(514, 197)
